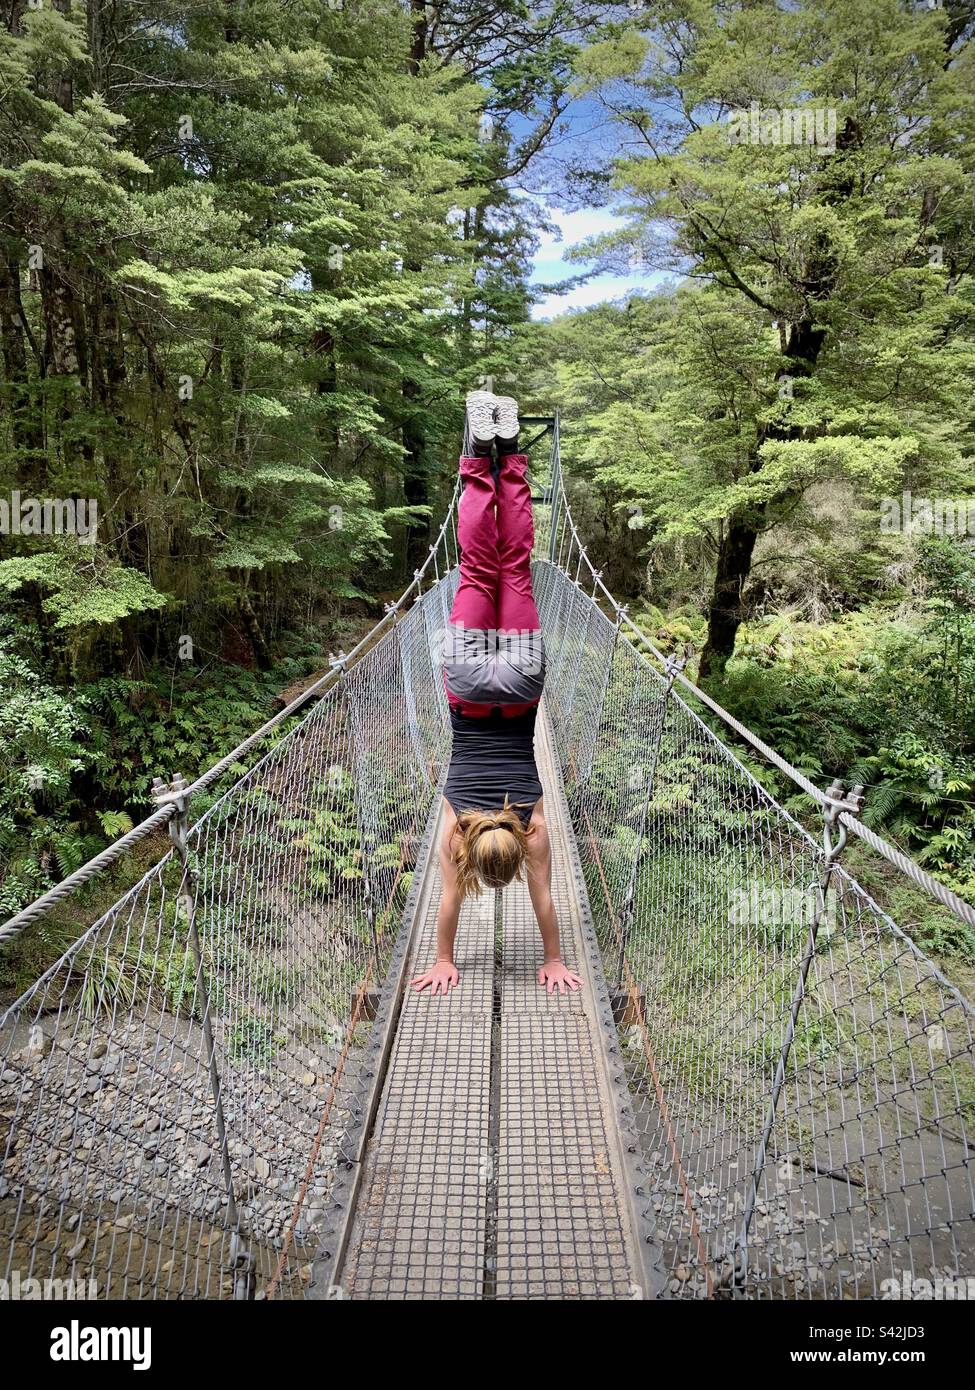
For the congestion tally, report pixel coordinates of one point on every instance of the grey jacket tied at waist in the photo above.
(487, 666)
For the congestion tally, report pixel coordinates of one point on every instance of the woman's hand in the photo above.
(441, 979)
(554, 974)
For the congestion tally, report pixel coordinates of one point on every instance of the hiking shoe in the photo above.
(481, 428)
(506, 422)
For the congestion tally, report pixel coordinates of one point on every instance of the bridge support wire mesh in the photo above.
(179, 1089)
(184, 1088)
(803, 1074)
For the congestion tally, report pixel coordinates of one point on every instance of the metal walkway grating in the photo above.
(495, 1168)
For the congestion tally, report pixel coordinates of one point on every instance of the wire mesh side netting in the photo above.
(803, 1074)
(175, 1090)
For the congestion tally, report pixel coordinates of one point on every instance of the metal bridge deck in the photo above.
(500, 1162)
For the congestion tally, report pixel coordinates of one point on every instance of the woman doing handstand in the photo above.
(494, 820)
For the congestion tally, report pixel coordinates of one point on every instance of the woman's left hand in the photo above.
(554, 974)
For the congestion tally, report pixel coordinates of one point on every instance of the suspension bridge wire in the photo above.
(165, 813)
(964, 911)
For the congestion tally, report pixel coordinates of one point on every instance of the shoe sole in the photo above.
(505, 417)
(480, 416)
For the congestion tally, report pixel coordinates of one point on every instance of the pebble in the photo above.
(38, 1044)
(118, 1159)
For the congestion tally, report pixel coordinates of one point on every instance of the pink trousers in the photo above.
(496, 532)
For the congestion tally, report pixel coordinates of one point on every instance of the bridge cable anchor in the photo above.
(836, 803)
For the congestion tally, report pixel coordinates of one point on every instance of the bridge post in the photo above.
(573, 689)
(586, 771)
(409, 697)
(365, 821)
(243, 1262)
(674, 666)
(555, 486)
(832, 849)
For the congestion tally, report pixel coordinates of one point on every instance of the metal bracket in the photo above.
(675, 664)
(836, 804)
(170, 793)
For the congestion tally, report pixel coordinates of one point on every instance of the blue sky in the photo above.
(589, 136)
(550, 264)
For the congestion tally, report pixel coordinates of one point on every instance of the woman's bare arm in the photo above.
(443, 975)
(552, 973)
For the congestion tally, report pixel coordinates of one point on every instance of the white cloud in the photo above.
(599, 290)
(550, 264)
(578, 226)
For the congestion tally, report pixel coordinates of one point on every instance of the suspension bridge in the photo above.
(224, 1087)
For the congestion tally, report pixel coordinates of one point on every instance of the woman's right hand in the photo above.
(441, 979)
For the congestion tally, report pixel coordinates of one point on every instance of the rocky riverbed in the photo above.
(112, 1168)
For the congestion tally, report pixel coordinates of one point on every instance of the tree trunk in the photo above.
(326, 383)
(255, 633)
(418, 39)
(26, 431)
(416, 477)
(803, 342)
(726, 615)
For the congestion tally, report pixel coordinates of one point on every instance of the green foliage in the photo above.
(887, 703)
(241, 296)
(114, 734)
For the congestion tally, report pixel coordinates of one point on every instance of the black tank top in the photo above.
(493, 758)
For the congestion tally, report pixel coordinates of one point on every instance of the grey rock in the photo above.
(39, 1044)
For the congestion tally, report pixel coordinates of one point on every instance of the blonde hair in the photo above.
(492, 850)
